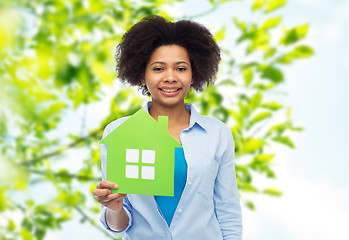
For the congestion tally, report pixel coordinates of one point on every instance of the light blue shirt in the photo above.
(209, 208)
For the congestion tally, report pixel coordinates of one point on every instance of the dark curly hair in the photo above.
(137, 45)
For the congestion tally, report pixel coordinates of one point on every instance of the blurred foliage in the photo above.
(57, 58)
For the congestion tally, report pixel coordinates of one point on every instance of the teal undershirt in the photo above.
(168, 205)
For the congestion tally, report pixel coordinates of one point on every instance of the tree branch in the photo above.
(93, 223)
(67, 175)
(212, 9)
(62, 149)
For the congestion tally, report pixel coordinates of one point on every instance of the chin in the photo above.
(168, 102)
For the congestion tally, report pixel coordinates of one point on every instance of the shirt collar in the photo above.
(195, 117)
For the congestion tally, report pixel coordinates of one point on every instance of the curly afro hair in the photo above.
(137, 45)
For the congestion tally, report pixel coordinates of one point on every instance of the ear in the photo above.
(192, 81)
(143, 81)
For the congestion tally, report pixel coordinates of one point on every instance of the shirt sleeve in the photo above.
(226, 194)
(127, 205)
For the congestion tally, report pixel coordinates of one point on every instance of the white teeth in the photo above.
(168, 90)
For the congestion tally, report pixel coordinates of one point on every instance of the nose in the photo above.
(170, 76)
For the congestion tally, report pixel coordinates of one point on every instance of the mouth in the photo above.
(170, 90)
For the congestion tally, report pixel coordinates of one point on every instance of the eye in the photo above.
(181, 69)
(157, 69)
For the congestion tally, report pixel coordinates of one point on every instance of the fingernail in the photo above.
(115, 186)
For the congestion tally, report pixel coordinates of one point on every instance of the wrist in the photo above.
(113, 210)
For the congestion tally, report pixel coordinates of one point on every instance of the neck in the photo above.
(177, 114)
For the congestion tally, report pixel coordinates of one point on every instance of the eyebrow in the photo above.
(176, 63)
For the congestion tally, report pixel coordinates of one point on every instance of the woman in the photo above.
(167, 59)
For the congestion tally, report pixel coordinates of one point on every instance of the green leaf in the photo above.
(257, 4)
(30, 203)
(227, 82)
(269, 52)
(87, 172)
(285, 140)
(260, 40)
(2, 200)
(272, 106)
(260, 117)
(54, 109)
(250, 205)
(247, 73)
(64, 176)
(246, 187)
(273, 5)
(301, 51)
(261, 86)
(270, 23)
(11, 225)
(264, 157)
(26, 234)
(272, 73)
(273, 192)
(298, 129)
(220, 35)
(278, 128)
(252, 145)
(123, 95)
(270, 173)
(221, 113)
(243, 175)
(70, 199)
(240, 24)
(256, 100)
(295, 34)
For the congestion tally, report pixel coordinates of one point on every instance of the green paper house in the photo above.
(140, 156)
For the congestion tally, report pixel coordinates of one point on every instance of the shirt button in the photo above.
(188, 155)
(180, 210)
(183, 134)
(189, 183)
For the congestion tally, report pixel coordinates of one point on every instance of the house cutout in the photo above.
(140, 156)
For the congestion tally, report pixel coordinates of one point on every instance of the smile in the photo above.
(169, 90)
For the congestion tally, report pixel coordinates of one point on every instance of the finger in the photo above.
(112, 197)
(101, 192)
(107, 184)
(115, 196)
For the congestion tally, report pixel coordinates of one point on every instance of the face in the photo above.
(168, 75)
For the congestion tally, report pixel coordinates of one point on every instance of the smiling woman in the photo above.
(165, 60)
(138, 44)
(168, 75)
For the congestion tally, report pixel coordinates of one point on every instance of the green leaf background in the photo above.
(58, 59)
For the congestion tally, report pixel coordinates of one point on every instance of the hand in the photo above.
(113, 201)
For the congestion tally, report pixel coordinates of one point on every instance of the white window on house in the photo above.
(134, 166)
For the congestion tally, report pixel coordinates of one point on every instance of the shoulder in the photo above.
(218, 131)
(213, 124)
(207, 123)
(114, 125)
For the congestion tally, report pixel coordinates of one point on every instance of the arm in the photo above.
(226, 195)
(115, 215)
(116, 210)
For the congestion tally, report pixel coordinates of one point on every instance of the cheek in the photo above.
(151, 86)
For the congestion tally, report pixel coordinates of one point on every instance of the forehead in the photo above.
(169, 54)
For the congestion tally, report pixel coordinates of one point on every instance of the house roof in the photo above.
(141, 122)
